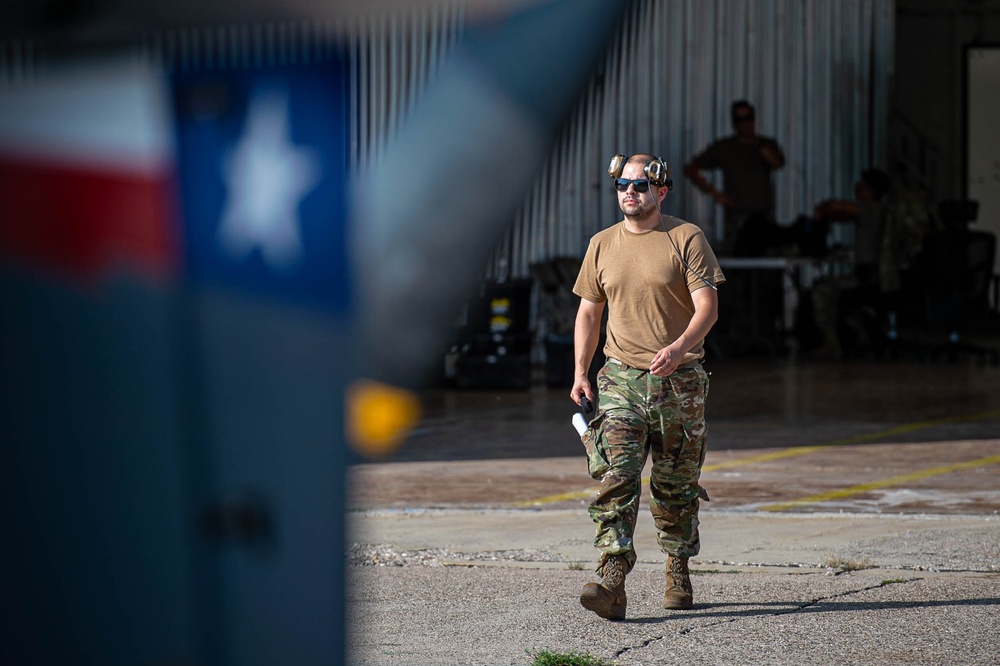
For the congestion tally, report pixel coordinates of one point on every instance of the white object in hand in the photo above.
(579, 423)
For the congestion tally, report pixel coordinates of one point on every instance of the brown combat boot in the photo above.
(679, 594)
(607, 598)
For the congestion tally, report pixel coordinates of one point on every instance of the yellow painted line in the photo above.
(552, 499)
(848, 441)
(882, 483)
(793, 451)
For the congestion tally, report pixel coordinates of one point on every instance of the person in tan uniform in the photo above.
(659, 278)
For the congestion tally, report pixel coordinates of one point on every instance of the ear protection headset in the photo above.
(656, 171)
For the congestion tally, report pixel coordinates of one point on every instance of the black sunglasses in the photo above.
(641, 185)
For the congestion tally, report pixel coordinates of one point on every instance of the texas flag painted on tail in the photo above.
(233, 179)
(262, 164)
(86, 174)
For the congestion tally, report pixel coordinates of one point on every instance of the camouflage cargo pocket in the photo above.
(596, 445)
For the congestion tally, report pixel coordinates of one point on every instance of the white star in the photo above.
(266, 178)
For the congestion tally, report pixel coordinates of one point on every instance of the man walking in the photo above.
(658, 276)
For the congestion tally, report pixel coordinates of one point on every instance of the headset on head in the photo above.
(658, 173)
(656, 170)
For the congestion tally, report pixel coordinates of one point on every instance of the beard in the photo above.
(640, 209)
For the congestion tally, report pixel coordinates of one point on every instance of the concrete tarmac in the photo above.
(874, 544)
(496, 586)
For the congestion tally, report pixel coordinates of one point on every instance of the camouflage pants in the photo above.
(641, 414)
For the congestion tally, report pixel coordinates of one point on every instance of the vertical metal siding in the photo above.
(393, 57)
(818, 71)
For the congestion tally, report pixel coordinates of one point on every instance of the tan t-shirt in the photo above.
(647, 286)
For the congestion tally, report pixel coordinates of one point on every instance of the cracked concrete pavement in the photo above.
(504, 615)
(496, 586)
(855, 519)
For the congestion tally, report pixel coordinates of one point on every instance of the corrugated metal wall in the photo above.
(392, 57)
(819, 72)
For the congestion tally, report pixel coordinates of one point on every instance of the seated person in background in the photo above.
(849, 310)
(868, 211)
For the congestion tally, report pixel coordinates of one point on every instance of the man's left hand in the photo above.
(666, 361)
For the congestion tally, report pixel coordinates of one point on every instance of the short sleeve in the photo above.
(710, 158)
(588, 283)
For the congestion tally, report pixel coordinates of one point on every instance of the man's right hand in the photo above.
(582, 391)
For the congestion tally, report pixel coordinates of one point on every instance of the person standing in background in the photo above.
(746, 160)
